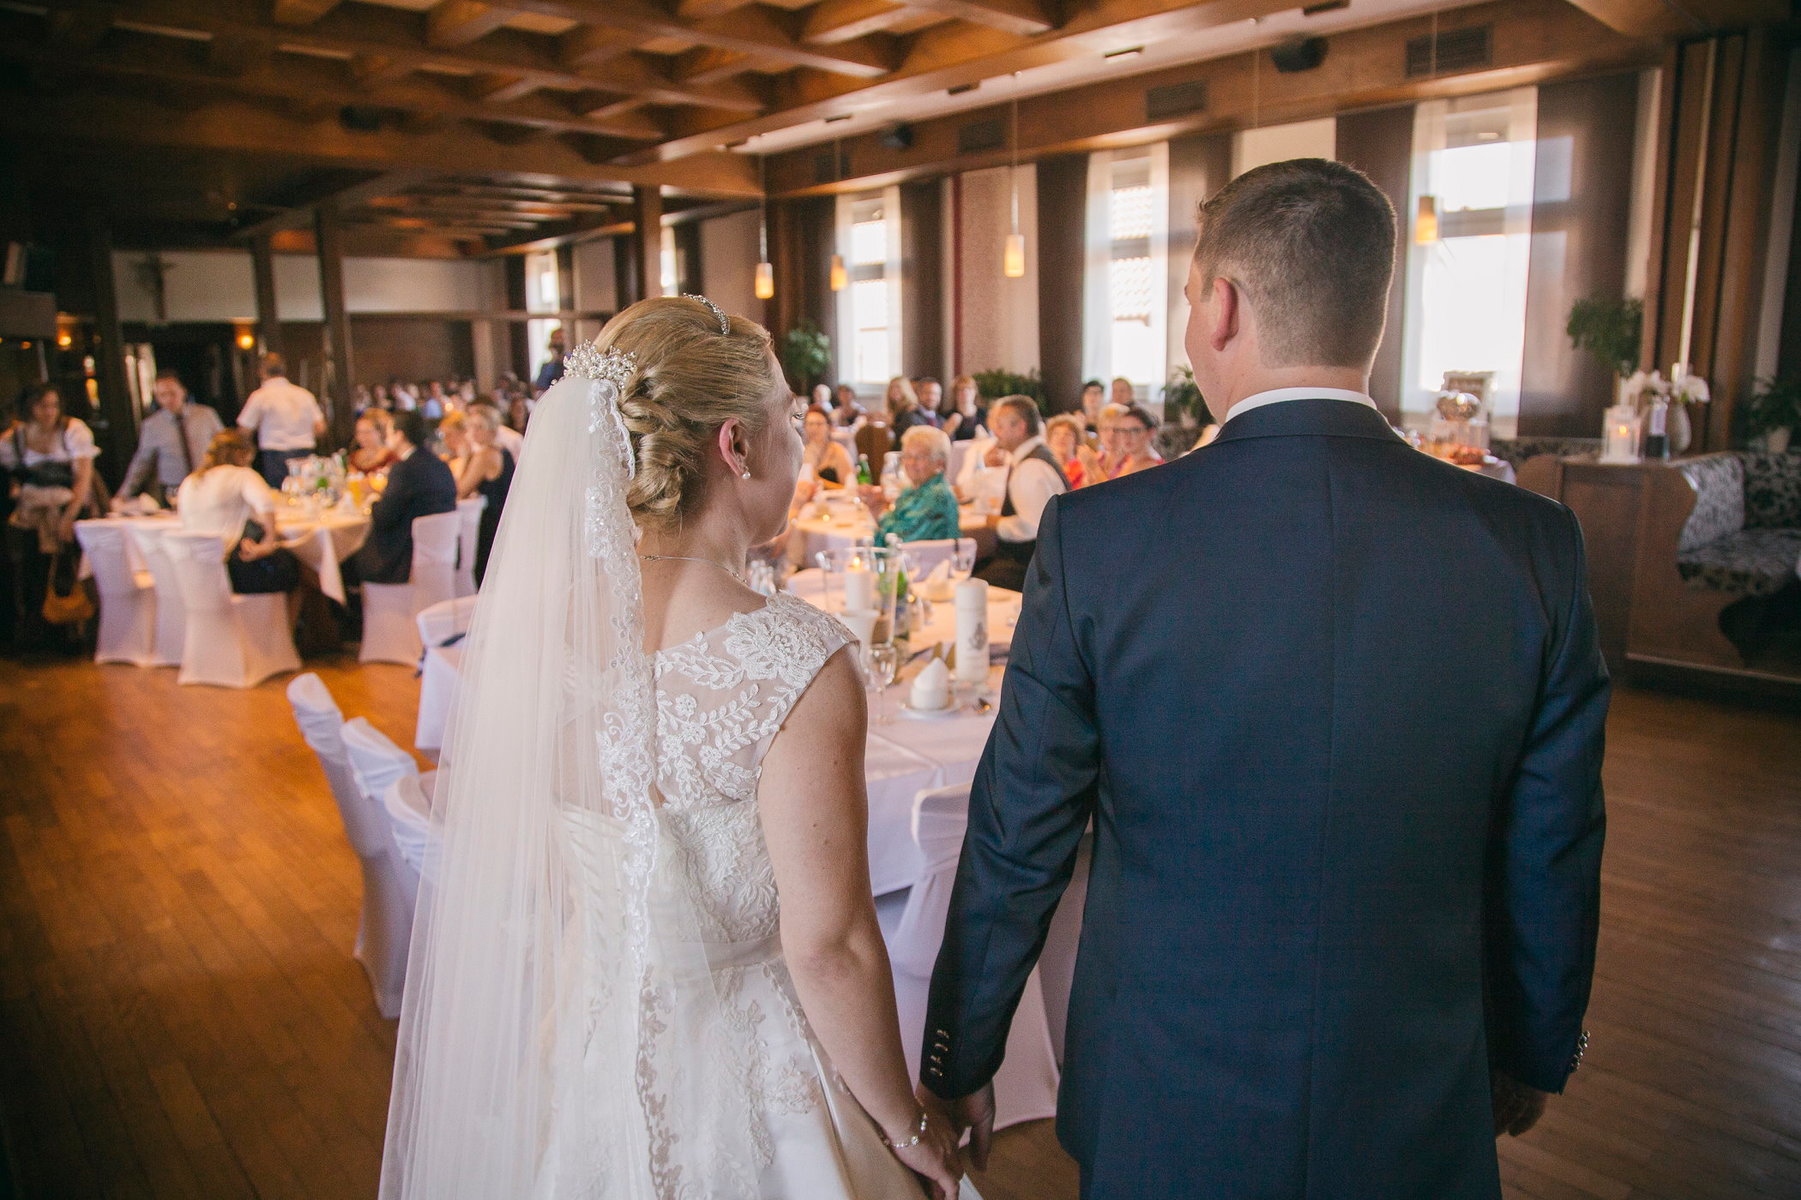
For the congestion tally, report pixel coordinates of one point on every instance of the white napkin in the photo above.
(932, 687)
(936, 586)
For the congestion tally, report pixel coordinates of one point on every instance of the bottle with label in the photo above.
(1657, 435)
(864, 476)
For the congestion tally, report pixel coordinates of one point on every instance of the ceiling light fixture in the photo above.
(840, 278)
(765, 285)
(1425, 217)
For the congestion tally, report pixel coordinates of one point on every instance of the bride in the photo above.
(647, 962)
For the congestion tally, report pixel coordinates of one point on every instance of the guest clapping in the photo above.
(1063, 435)
(963, 414)
(926, 510)
(1094, 398)
(370, 454)
(829, 461)
(1125, 444)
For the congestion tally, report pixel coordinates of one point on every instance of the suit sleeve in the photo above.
(391, 510)
(1031, 801)
(1545, 875)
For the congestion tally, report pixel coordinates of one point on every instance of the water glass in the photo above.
(884, 664)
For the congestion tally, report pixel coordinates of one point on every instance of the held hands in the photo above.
(996, 457)
(975, 1113)
(934, 1156)
(1517, 1106)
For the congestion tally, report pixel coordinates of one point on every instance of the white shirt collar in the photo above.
(1278, 395)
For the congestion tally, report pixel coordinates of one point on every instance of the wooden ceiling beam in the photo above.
(1683, 18)
(700, 10)
(1022, 18)
(588, 46)
(301, 12)
(300, 216)
(501, 89)
(835, 21)
(459, 22)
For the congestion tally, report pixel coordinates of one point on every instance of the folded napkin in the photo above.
(937, 583)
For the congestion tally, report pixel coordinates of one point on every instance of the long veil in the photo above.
(560, 1034)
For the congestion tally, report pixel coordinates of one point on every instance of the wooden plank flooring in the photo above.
(180, 1014)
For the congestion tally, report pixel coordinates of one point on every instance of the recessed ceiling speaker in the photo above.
(898, 137)
(1298, 54)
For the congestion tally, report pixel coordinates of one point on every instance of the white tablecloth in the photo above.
(901, 757)
(847, 522)
(319, 541)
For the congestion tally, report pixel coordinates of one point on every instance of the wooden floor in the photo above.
(180, 1015)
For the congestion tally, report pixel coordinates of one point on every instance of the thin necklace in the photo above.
(711, 562)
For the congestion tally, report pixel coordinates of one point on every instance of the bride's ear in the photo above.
(734, 446)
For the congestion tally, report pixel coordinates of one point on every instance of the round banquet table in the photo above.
(320, 540)
(843, 522)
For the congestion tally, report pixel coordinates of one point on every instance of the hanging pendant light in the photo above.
(1013, 257)
(1425, 221)
(840, 278)
(765, 286)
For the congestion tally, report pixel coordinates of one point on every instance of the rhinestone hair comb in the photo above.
(725, 322)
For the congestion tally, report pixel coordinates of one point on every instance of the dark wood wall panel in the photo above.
(1062, 199)
(1581, 207)
(410, 348)
(922, 273)
(1379, 142)
(800, 247)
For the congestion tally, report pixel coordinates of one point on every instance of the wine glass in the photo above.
(963, 558)
(884, 664)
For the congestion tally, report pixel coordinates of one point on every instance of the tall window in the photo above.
(1474, 159)
(1125, 302)
(543, 294)
(869, 311)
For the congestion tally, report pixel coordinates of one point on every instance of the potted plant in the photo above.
(1773, 412)
(806, 355)
(998, 382)
(1610, 329)
(1182, 399)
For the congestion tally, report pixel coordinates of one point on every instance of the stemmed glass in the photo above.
(963, 558)
(884, 664)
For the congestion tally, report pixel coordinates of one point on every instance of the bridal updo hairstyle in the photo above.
(690, 380)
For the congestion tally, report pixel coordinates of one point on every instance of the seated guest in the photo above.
(1094, 398)
(233, 503)
(487, 472)
(903, 408)
(925, 510)
(1033, 477)
(285, 418)
(849, 411)
(419, 485)
(453, 443)
(505, 436)
(379, 398)
(370, 454)
(931, 398)
(962, 414)
(1125, 444)
(171, 443)
(822, 396)
(519, 411)
(1122, 391)
(829, 460)
(1063, 434)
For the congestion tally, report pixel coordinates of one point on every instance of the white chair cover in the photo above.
(469, 524)
(408, 804)
(1025, 1088)
(389, 634)
(231, 641)
(127, 630)
(171, 612)
(390, 883)
(444, 620)
(929, 554)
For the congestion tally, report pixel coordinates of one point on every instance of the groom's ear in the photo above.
(1226, 313)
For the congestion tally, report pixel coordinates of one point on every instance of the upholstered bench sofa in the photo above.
(1744, 535)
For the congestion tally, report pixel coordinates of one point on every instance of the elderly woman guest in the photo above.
(488, 472)
(963, 415)
(1063, 437)
(903, 407)
(370, 454)
(829, 461)
(926, 510)
(1125, 444)
(233, 503)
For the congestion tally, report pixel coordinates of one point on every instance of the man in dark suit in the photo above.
(1334, 709)
(418, 486)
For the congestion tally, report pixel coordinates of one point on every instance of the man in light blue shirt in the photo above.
(172, 443)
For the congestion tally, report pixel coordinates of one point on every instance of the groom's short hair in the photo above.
(1311, 244)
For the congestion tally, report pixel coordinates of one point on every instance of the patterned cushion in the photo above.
(1772, 490)
(1516, 451)
(1719, 483)
(1752, 562)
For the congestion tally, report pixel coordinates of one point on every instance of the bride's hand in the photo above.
(935, 1158)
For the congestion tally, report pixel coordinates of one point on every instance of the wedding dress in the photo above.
(597, 1004)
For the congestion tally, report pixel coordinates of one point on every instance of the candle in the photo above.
(972, 631)
(859, 588)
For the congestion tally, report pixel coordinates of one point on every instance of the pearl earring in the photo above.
(746, 475)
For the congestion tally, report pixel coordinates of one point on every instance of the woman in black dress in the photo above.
(488, 471)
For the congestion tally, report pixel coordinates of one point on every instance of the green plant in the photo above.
(1776, 404)
(995, 383)
(806, 355)
(1182, 397)
(1609, 329)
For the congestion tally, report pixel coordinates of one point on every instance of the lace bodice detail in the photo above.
(722, 697)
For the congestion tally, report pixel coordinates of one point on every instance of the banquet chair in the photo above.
(444, 620)
(927, 555)
(874, 441)
(231, 640)
(389, 609)
(469, 525)
(1025, 1088)
(390, 885)
(171, 610)
(127, 632)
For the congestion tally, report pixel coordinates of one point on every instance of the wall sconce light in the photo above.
(64, 339)
(840, 277)
(765, 281)
(246, 338)
(1425, 221)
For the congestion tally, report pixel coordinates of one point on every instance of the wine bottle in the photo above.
(864, 477)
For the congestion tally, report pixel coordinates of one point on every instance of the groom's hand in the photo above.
(1517, 1106)
(974, 1112)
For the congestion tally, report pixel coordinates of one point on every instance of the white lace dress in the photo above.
(721, 698)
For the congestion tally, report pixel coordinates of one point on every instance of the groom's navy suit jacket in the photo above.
(1335, 711)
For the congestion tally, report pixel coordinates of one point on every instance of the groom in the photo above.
(1334, 710)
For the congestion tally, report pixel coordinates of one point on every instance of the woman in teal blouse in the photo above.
(926, 510)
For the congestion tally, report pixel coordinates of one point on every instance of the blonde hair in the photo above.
(380, 418)
(452, 422)
(690, 380)
(229, 448)
(478, 414)
(1068, 421)
(904, 386)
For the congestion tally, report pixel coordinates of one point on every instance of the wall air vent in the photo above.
(979, 137)
(1175, 100)
(1459, 50)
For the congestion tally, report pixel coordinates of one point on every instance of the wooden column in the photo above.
(268, 314)
(117, 419)
(1062, 203)
(922, 270)
(338, 360)
(800, 249)
(690, 273)
(626, 281)
(647, 238)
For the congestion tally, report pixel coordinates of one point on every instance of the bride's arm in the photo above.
(815, 817)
